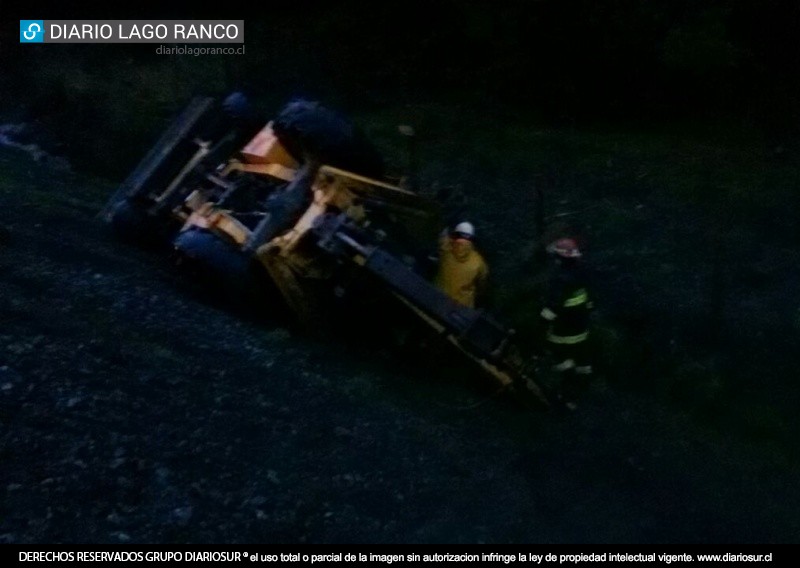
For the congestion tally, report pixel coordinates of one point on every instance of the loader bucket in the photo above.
(162, 162)
(198, 140)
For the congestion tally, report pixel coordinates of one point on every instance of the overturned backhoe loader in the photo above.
(301, 213)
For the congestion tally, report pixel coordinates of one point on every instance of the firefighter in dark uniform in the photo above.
(566, 314)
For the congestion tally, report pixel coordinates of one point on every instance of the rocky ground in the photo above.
(132, 411)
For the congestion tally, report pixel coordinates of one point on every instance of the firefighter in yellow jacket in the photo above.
(462, 271)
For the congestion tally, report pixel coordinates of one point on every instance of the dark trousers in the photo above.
(571, 362)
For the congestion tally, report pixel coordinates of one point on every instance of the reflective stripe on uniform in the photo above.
(567, 339)
(584, 370)
(578, 298)
(565, 365)
(548, 314)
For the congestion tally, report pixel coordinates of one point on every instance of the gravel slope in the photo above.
(130, 411)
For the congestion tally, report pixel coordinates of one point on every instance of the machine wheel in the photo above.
(228, 273)
(307, 129)
(131, 222)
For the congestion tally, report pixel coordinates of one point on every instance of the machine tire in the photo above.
(309, 130)
(228, 273)
(130, 222)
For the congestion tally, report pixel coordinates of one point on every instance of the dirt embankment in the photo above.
(132, 412)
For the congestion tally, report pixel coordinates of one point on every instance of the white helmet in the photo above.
(464, 230)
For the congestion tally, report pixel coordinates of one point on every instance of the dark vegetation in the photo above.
(663, 133)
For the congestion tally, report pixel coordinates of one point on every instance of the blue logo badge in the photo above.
(31, 31)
